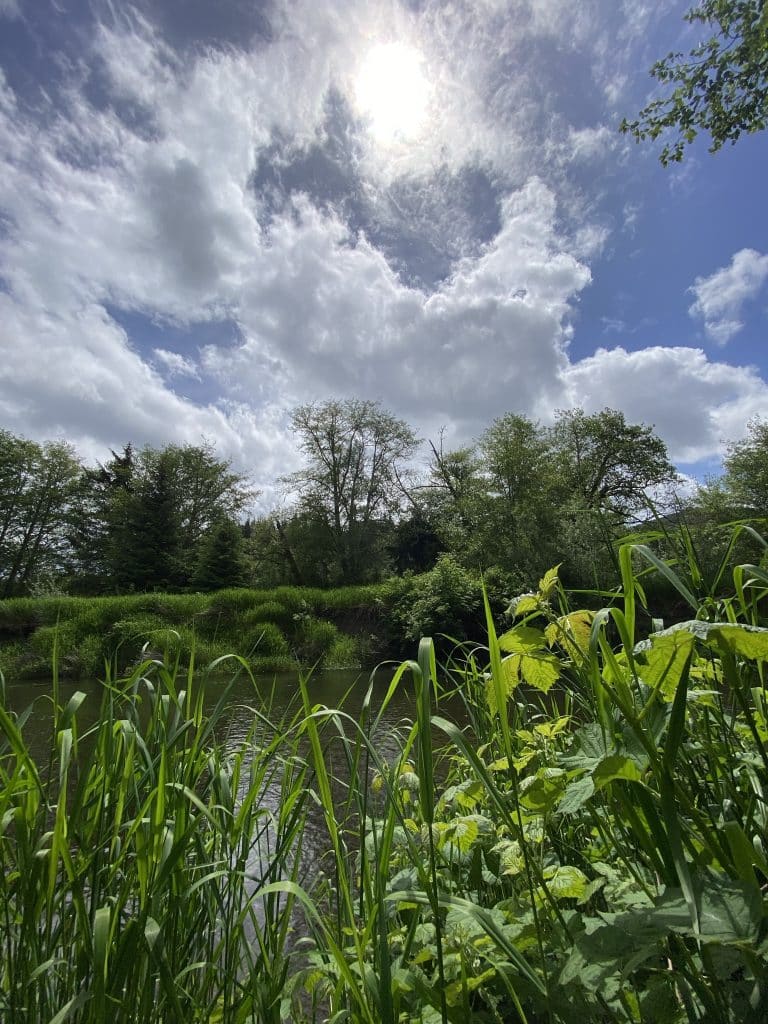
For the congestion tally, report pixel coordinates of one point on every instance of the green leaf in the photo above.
(525, 604)
(540, 792)
(548, 582)
(575, 795)
(745, 642)
(464, 833)
(522, 640)
(616, 766)
(540, 671)
(662, 666)
(566, 882)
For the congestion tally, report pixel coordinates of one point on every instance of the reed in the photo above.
(587, 842)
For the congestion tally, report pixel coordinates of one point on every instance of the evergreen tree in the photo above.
(222, 560)
(151, 557)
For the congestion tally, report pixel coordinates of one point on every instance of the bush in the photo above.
(45, 638)
(266, 611)
(266, 640)
(446, 600)
(314, 639)
(344, 652)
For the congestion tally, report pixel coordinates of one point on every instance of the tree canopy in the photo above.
(356, 455)
(720, 87)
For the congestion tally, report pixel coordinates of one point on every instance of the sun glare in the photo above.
(393, 92)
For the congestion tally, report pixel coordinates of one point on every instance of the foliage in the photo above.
(608, 464)
(446, 599)
(592, 854)
(588, 842)
(136, 876)
(221, 562)
(37, 485)
(353, 479)
(313, 640)
(720, 87)
(126, 508)
(746, 470)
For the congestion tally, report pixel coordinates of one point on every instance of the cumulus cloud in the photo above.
(159, 215)
(695, 404)
(721, 296)
(176, 364)
(10, 9)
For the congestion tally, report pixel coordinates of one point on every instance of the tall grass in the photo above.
(136, 861)
(587, 842)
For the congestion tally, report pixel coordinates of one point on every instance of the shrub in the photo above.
(267, 611)
(314, 639)
(344, 652)
(266, 640)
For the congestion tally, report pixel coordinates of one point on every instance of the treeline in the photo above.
(522, 498)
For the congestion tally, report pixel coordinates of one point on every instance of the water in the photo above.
(280, 693)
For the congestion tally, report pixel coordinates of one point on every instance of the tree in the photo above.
(746, 470)
(607, 464)
(353, 481)
(112, 505)
(152, 557)
(720, 87)
(37, 484)
(523, 495)
(221, 562)
(204, 486)
(453, 500)
(97, 531)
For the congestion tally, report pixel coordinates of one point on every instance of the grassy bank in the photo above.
(597, 849)
(273, 629)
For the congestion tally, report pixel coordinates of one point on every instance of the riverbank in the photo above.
(274, 630)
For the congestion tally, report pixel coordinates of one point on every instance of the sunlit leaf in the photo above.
(522, 640)
(662, 666)
(566, 882)
(540, 671)
(743, 641)
(616, 766)
(548, 582)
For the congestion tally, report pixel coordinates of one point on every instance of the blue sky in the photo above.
(210, 213)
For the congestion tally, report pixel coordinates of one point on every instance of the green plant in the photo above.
(145, 873)
(313, 639)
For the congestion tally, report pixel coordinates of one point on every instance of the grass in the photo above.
(274, 630)
(587, 842)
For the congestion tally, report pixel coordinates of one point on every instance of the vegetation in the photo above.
(273, 630)
(720, 87)
(587, 842)
(360, 510)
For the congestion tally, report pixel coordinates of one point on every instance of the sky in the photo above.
(211, 213)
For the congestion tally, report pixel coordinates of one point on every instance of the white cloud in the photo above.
(721, 296)
(324, 313)
(162, 221)
(176, 364)
(10, 9)
(695, 404)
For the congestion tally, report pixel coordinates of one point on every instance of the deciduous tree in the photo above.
(353, 480)
(720, 87)
(37, 484)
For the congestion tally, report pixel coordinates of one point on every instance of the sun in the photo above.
(392, 91)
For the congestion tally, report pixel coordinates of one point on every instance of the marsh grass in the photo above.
(136, 862)
(588, 844)
(277, 630)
